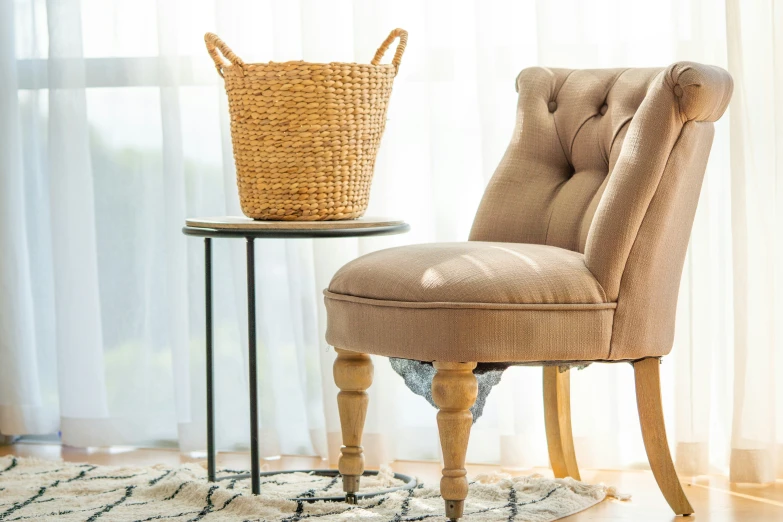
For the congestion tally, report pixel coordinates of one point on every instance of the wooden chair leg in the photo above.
(557, 417)
(353, 374)
(648, 400)
(454, 390)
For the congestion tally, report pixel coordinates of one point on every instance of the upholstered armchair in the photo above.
(575, 256)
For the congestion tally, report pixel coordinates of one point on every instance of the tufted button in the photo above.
(552, 106)
(678, 91)
(603, 109)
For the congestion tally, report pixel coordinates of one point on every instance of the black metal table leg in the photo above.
(210, 361)
(226, 227)
(252, 361)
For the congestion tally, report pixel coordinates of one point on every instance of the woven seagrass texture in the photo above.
(305, 135)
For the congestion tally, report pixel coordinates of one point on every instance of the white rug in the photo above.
(49, 490)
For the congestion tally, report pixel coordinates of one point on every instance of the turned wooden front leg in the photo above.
(454, 390)
(353, 375)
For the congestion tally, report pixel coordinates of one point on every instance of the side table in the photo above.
(242, 227)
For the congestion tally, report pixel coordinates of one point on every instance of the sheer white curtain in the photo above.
(755, 53)
(114, 129)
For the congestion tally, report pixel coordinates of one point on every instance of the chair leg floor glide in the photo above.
(648, 400)
(454, 390)
(557, 417)
(353, 373)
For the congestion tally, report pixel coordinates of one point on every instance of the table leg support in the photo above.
(210, 360)
(252, 363)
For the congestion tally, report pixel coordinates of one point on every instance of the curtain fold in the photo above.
(115, 129)
(756, 51)
(22, 406)
(74, 255)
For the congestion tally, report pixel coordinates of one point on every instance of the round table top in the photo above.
(240, 226)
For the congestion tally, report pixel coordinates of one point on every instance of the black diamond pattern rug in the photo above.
(33, 489)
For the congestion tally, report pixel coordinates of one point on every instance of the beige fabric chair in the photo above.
(576, 254)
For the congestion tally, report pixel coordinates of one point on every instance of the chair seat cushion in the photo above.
(471, 272)
(470, 301)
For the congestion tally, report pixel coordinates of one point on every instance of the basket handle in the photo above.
(214, 43)
(402, 34)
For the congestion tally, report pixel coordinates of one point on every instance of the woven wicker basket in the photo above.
(305, 135)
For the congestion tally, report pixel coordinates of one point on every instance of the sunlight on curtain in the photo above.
(116, 129)
(756, 51)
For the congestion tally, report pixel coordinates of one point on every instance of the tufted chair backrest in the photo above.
(609, 162)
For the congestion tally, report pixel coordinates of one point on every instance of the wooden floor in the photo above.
(713, 498)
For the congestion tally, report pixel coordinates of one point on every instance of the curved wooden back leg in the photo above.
(454, 390)
(353, 374)
(648, 400)
(557, 417)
